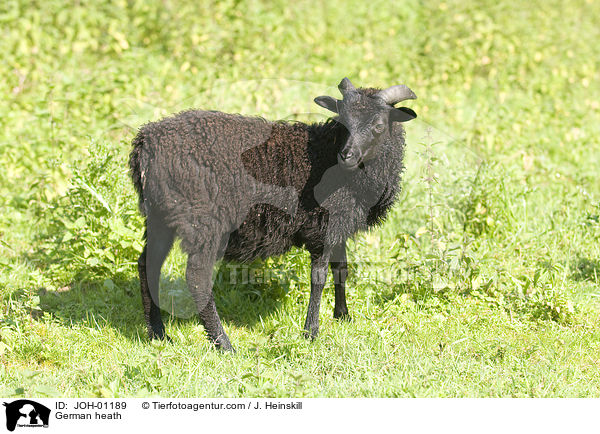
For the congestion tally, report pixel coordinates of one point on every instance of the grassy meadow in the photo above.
(483, 281)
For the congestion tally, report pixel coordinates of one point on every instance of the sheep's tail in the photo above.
(137, 169)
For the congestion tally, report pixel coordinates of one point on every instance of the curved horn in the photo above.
(395, 94)
(345, 86)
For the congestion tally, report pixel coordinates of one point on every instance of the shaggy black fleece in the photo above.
(240, 188)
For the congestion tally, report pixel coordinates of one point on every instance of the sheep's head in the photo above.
(368, 119)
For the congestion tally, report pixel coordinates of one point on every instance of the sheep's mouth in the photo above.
(350, 164)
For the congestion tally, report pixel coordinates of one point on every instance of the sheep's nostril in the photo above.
(346, 154)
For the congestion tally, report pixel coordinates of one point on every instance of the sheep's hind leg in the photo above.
(159, 240)
(199, 279)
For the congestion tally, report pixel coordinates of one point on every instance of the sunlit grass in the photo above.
(481, 283)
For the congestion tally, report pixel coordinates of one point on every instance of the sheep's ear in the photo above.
(328, 102)
(402, 114)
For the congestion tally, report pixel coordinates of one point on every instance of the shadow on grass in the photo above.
(585, 269)
(117, 304)
(419, 289)
(96, 304)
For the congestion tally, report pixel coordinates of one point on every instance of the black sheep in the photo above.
(239, 188)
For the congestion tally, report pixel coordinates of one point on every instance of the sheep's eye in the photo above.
(378, 127)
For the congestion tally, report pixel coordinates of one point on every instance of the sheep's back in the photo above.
(200, 171)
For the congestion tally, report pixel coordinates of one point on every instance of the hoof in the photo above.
(343, 316)
(159, 335)
(310, 335)
(223, 344)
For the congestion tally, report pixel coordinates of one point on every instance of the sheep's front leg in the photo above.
(318, 276)
(199, 280)
(339, 269)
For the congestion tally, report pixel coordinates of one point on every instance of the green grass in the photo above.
(482, 282)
